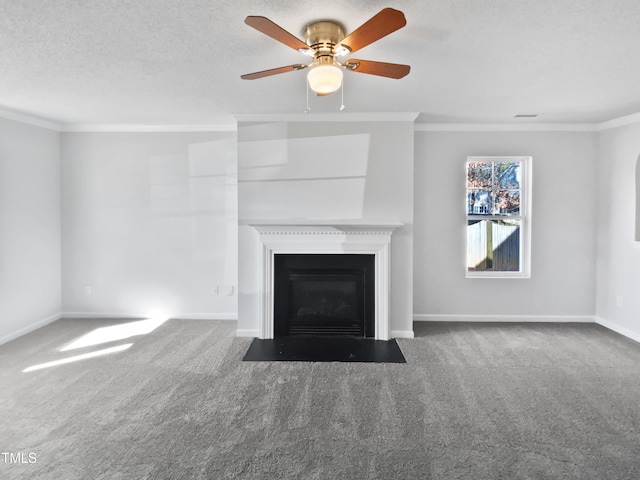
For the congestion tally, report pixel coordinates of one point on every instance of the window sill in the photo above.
(501, 275)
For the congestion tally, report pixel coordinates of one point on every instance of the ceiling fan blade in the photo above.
(266, 26)
(273, 71)
(380, 25)
(383, 69)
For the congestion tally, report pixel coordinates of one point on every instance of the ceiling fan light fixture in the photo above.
(307, 51)
(341, 51)
(324, 79)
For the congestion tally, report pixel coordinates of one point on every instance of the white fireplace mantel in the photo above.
(324, 238)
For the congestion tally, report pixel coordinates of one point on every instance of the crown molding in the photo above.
(330, 117)
(29, 119)
(619, 122)
(506, 127)
(110, 127)
(125, 128)
(322, 117)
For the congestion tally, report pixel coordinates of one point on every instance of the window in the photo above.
(498, 219)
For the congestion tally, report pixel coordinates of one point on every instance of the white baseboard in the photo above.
(503, 318)
(102, 315)
(179, 316)
(30, 328)
(206, 316)
(401, 334)
(245, 332)
(618, 329)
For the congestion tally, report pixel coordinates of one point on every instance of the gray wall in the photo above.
(29, 228)
(562, 283)
(618, 255)
(342, 171)
(149, 219)
(149, 223)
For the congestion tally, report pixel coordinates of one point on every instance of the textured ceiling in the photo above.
(179, 62)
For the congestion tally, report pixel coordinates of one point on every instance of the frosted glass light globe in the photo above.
(325, 79)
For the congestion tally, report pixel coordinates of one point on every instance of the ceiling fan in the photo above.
(326, 42)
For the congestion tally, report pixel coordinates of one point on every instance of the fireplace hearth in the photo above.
(324, 294)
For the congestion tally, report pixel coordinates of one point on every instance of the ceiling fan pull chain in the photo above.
(308, 109)
(342, 107)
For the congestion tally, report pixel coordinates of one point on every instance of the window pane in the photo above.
(479, 175)
(507, 175)
(479, 202)
(507, 202)
(493, 245)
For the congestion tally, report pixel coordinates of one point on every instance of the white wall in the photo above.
(618, 255)
(562, 283)
(29, 228)
(327, 171)
(149, 223)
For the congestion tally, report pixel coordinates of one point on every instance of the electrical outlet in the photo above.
(87, 289)
(216, 290)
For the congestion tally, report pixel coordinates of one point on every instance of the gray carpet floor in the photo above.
(474, 401)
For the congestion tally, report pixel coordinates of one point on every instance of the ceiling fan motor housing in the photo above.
(323, 36)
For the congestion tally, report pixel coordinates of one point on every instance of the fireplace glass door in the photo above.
(324, 295)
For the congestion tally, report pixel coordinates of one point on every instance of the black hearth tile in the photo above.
(324, 349)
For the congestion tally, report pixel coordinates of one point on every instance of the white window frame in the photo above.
(524, 217)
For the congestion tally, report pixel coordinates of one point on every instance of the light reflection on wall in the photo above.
(194, 206)
(303, 178)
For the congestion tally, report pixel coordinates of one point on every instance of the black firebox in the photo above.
(324, 294)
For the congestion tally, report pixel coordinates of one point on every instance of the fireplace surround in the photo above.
(325, 239)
